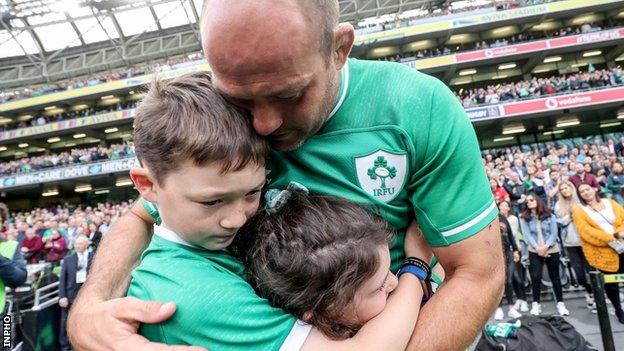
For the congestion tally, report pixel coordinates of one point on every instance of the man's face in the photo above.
(273, 66)
(205, 207)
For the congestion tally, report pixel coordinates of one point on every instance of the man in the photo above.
(519, 168)
(32, 247)
(73, 275)
(373, 132)
(516, 190)
(12, 268)
(582, 177)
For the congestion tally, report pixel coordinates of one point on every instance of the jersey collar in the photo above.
(172, 236)
(342, 92)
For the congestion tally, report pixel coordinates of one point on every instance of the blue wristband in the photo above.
(417, 271)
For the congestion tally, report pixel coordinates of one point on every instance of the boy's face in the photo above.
(206, 208)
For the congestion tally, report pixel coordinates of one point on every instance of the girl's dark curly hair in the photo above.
(312, 256)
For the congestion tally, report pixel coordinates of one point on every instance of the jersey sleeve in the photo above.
(151, 210)
(215, 309)
(450, 192)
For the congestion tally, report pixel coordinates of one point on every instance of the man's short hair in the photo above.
(186, 119)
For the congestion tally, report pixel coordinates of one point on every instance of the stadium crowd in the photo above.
(379, 24)
(495, 43)
(74, 156)
(91, 80)
(551, 199)
(42, 120)
(536, 87)
(49, 234)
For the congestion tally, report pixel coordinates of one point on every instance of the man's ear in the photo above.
(344, 36)
(144, 183)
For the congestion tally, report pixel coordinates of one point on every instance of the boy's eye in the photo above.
(253, 193)
(212, 203)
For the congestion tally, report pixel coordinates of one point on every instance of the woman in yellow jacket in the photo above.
(598, 222)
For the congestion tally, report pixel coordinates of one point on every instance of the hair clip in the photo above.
(276, 199)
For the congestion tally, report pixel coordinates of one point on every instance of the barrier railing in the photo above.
(598, 281)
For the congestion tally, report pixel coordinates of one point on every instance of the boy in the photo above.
(203, 167)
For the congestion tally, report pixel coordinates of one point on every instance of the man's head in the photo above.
(201, 161)
(579, 168)
(81, 243)
(280, 59)
(30, 233)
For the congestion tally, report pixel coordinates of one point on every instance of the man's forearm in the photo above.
(118, 253)
(471, 291)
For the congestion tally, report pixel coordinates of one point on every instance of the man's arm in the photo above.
(99, 319)
(475, 275)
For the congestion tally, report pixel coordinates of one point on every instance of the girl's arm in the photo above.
(552, 240)
(526, 231)
(594, 236)
(388, 331)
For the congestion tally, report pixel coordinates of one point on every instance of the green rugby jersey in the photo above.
(216, 307)
(400, 142)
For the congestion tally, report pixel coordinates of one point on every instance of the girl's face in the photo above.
(565, 191)
(587, 193)
(504, 208)
(371, 297)
(531, 202)
(493, 184)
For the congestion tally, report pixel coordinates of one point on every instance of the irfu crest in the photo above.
(382, 174)
(382, 171)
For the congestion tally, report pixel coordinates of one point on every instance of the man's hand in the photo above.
(516, 256)
(122, 318)
(63, 302)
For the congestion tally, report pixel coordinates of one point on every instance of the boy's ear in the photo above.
(307, 316)
(144, 183)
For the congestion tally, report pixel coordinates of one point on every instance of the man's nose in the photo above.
(266, 119)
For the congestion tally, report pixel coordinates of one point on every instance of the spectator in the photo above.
(516, 190)
(55, 247)
(512, 256)
(583, 177)
(32, 247)
(500, 194)
(570, 238)
(94, 236)
(600, 221)
(73, 275)
(615, 182)
(539, 227)
(518, 276)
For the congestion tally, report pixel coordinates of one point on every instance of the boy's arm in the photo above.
(99, 319)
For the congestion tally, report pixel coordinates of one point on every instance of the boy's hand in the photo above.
(416, 245)
(113, 325)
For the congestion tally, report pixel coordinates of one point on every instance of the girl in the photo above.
(324, 260)
(571, 241)
(539, 227)
(600, 221)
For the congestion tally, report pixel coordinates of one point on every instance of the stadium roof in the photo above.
(40, 28)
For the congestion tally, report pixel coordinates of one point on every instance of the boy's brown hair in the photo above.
(187, 119)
